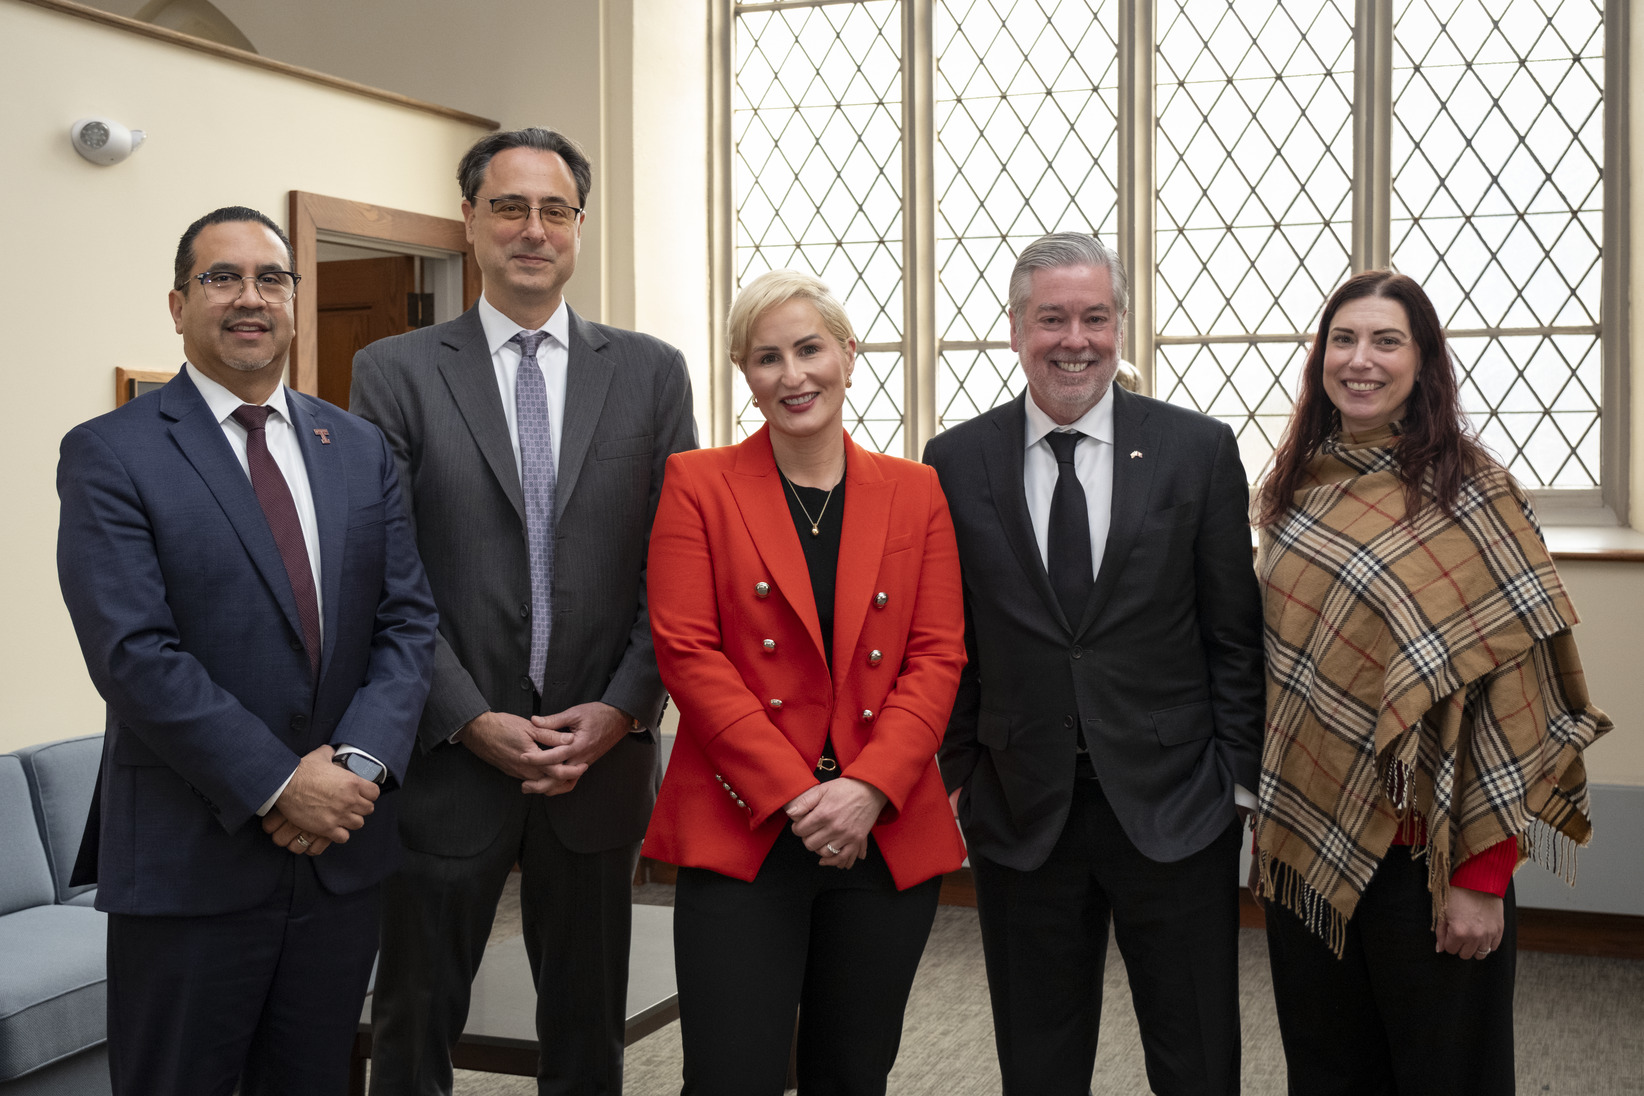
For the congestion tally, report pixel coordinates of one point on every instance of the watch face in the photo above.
(364, 768)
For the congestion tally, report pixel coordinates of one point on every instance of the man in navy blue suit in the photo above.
(247, 594)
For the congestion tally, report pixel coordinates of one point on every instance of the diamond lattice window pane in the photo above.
(1254, 155)
(1534, 401)
(969, 382)
(1498, 152)
(1247, 385)
(1026, 107)
(816, 121)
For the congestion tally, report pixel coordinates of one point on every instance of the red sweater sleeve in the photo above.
(1490, 871)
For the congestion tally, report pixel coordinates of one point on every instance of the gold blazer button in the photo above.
(762, 590)
(867, 715)
(880, 599)
(875, 657)
(769, 645)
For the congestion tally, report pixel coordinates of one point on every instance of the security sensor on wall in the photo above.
(104, 142)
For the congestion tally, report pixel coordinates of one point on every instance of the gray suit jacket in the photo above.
(627, 408)
(1164, 671)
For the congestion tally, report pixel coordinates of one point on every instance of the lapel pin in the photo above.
(325, 437)
(1135, 454)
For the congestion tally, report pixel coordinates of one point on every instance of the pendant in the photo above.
(815, 532)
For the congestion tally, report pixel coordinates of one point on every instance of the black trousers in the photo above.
(1044, 938)
(1392, 1016)
(267, 998)
(838, 947)
(577, 912)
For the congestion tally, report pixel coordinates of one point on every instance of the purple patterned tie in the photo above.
(536, 457)
(275, 496)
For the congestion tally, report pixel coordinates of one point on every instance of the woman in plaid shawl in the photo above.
(1426, 714)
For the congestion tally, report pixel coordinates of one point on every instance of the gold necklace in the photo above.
(815, 531)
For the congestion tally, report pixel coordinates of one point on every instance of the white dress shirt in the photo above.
(553, 358)
(1092, 459)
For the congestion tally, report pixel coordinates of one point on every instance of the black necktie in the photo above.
(281, 511)
(1069, 540)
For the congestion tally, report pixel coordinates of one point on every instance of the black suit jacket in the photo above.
(627, 408)
(1164, 672)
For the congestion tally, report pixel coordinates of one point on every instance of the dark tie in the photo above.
(1069, 539)
(536, 458)
(275, 495)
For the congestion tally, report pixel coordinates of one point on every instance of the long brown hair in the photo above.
(1434, 436)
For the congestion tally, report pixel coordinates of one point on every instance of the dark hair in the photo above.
(471, 171)
(225, 215)
(1434, 437)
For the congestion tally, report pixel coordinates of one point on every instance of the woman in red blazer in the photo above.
(806, 609)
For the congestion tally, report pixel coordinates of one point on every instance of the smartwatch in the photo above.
(363, 767)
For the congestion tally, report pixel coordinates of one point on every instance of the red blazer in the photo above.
(727, 579)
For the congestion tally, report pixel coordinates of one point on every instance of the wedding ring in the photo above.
(831, 849)
(303, 840)
(1482, 952)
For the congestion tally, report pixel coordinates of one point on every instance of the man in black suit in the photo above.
(531, 444)
(1112, 704)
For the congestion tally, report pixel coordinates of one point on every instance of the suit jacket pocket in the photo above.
(1183, 513)
(1187, 723)
(993, 730)
(637, 446)
(898, 544)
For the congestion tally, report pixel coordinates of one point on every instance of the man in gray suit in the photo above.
(1113, 697)
(531, 445)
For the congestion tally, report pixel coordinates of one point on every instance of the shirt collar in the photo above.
(224, 403)
(499, 328)
(1096, 423)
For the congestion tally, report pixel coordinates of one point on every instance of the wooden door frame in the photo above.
(312, 214)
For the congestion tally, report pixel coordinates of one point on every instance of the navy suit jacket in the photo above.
(189, 628)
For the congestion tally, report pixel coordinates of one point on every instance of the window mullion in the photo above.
(1372, 135)
(919, 342)
(1614, 316)
(1136, 241)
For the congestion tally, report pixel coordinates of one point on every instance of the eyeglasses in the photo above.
(557, 214)
(273, 286)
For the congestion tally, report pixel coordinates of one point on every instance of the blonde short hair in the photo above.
(779, 287)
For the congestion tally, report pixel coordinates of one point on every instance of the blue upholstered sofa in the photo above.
(53, 981)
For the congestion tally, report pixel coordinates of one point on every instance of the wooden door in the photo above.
(358, 301)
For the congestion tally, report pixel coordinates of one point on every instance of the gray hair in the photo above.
(1059, 249)
(477, 160)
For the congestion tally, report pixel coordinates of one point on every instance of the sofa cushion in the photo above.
(25, 877)
(62, 776)
(54, 996)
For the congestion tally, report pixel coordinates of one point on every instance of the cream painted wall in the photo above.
(220, 133)
(627, 79)
(1609, 598)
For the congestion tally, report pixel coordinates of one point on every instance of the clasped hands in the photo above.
(836, 815)
(547, 754)
(321, 804)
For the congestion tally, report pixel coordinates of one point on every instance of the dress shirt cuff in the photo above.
(263, 810)
(1244, 797)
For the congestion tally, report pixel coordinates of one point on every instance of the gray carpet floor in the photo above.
(1580, 1025)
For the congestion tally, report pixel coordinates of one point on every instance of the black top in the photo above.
(822, 550)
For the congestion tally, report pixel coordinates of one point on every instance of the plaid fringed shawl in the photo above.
(1422, 666)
